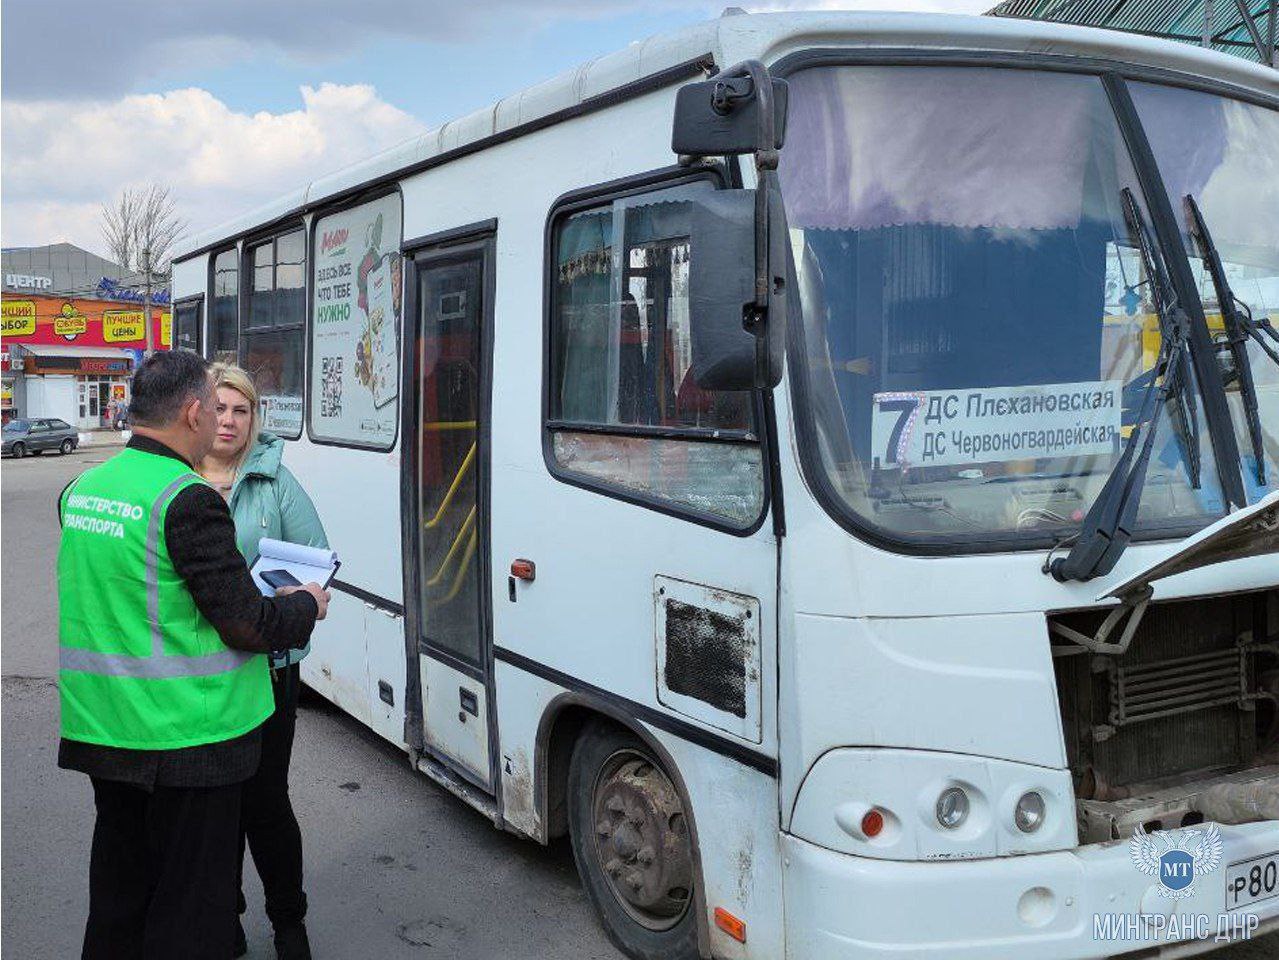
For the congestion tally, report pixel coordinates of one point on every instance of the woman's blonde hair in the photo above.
(238, 379)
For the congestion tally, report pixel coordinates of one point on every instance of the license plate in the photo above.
(1251, 881)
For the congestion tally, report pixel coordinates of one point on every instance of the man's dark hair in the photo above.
(164, 383)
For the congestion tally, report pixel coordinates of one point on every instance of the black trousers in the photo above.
(162, 872)
(267, 821)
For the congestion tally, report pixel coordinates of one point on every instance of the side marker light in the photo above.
(730, 924)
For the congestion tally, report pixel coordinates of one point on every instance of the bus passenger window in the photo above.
(186, 325)
(624, 408)
(271, 346)
(224, 319)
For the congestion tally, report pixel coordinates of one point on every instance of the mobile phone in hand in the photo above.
(280, 578)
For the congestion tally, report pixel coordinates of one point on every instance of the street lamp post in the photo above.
(146, 299)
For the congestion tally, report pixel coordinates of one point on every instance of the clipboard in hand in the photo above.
(305, 564)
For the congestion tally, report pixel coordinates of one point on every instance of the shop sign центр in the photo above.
(26, 281)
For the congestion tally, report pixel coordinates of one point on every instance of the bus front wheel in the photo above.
(632, 846)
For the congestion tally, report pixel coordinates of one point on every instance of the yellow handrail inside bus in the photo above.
(438, 426)
(453, 488)
(467, 526)
(461, 568)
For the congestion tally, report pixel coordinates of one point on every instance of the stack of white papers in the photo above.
(308, 564)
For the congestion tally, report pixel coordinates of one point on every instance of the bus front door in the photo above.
(447, 503)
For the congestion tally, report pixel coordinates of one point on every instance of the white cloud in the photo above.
(62, 159)
(145, 39)
(142, 38)
(64, 156)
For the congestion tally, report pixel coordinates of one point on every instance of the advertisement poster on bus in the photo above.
(358, 311)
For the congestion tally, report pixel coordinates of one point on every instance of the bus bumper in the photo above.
(1069, 904)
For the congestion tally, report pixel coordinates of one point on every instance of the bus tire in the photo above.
(632, 845)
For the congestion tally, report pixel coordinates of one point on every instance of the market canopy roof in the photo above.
(1245, 28)
(57, 350)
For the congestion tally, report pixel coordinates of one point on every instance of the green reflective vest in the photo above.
(141, 668)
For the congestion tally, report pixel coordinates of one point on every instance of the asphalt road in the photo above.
(396, 867)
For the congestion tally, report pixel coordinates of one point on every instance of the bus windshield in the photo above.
(978, 324)
(1225, 155)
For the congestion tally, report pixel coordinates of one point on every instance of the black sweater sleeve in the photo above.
(200, 535)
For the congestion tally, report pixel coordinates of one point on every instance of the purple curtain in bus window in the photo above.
(1223, 152)
(1187, 132)
(891, 146)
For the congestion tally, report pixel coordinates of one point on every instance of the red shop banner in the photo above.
(53, 321)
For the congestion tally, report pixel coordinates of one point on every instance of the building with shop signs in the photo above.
(73, 331)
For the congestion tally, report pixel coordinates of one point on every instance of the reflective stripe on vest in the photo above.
(153, 565)
(157, 665)
(154, 668)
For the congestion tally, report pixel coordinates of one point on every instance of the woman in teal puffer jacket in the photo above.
(266, 500)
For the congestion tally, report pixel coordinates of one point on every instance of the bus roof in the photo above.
(733, 37)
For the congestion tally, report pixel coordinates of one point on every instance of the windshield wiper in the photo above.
(1184, 418)
(1107, 527)
(1236, 316)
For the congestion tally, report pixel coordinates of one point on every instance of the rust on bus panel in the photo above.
(517, 793)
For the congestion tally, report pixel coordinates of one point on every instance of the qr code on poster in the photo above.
(331, 380)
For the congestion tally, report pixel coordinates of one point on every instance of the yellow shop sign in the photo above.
(120, 326)
(70, 323)
(17, 318)
(166, 329)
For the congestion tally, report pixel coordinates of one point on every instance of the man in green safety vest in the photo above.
(163, 677)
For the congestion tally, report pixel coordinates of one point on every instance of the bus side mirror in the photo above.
(737, 277)
(735, 345)
(720, 117)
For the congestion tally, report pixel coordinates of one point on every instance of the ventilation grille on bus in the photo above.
(706, 656)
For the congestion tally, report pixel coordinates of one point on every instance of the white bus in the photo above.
(791, 458)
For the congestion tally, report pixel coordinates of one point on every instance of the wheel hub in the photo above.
(641, 836)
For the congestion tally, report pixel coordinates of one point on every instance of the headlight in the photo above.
(952, 808)
(1029, 813)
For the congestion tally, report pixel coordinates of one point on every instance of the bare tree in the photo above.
(140, 228)
(118, 230)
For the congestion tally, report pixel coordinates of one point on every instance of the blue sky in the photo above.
(433, 81)
(232, 103)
